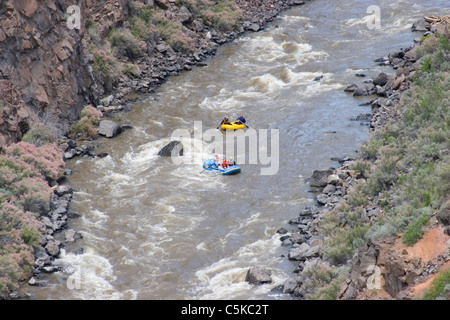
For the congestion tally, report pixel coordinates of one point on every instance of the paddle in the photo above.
(206, 168)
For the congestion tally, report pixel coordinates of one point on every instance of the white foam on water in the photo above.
(229, 100)
(95, 219)
(244, 224)
(154, 249)
(202, 246)
(271, 79)
(276, 49)
(165, 208)
(400, 24)
(104, 163)
(285, 78)
(93, 277)
(158, 123)
(290, 18)
(118, 178)
(252, 252)
(312, 56)
(145, 154)
(356, 21)
(318, 88)
(225, 279)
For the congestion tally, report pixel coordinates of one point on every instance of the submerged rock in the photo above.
(320, 178)
(173, 149)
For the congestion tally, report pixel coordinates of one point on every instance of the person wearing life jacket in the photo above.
(225, 121)
(231, 162)
(241, 119)
(224, 163)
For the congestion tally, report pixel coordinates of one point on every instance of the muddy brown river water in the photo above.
(156, 229)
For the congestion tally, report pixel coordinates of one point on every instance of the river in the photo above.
(154, 228)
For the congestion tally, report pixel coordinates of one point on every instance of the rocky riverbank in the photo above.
(93, 72)
(155, 59)
(50, 70)
(350, 266)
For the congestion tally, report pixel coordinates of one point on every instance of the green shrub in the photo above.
(18, 233)
(124, 44)
(91, 28)
(227, 15)
(357, 197)
(322, 282)
(173, 33)
(344, 232)
(30, 236)
(440, 287)
(427, 65)
(146, 14)
(130, 71)
(414, 232)
(382, 230)
(87, 125)
(39, 135)
(25, 193)
(428, 46)
(406, 164)
(362, 168)
(369, 149)
(103, 62)
(444, 42)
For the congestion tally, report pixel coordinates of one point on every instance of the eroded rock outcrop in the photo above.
(46, 62)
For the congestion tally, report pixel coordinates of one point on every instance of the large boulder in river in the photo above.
(173, 149)
(420, 26)
(320, 178)
(109, 128)
(258, 275)
(381, 79)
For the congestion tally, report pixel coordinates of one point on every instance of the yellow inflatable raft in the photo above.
(233, 126)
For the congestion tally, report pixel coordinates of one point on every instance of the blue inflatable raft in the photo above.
(211, 165)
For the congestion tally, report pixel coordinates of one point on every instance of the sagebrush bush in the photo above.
(39, 135)
(124, 44)
(28, 160)
(406, 163)
(344, 231)
(174, 33)
(322, 282)
(103, 62)
(227, 15)
(415, 231)
(131, 71)
(87, 125)
(19, 232)
(25, 170)
(362, 167)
